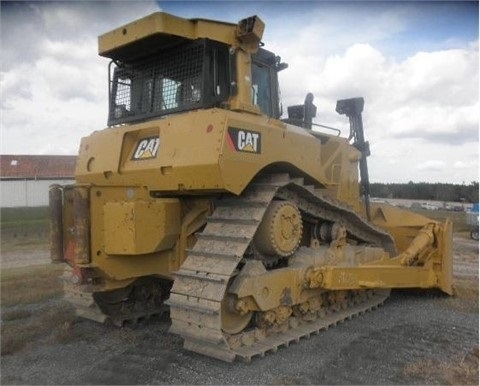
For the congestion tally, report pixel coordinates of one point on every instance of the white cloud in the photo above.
(413, 107)
(395, 160)
(466, 164)
(54, 85)
(55, 115)
(65, 81)
(440, 77)
(64, 18)
(431, 165)
(78, 51)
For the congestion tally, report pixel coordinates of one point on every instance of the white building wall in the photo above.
(21, 193)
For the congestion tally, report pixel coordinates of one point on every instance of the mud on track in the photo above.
(413, 332)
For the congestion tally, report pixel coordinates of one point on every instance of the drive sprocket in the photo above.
(280, 232)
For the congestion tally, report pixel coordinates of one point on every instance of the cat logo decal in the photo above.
(244, 140)
(147, 148)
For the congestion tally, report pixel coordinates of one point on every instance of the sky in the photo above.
(415, 63)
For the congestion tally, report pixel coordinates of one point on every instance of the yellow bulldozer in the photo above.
(252, 230)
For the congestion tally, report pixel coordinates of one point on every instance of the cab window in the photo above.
(261, 88)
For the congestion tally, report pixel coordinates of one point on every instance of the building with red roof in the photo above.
(25, 179)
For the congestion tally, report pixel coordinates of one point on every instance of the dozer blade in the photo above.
(425, 258)
(445, 273)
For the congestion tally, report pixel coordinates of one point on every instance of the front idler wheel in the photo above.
(233, 320)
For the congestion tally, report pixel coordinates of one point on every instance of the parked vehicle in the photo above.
(428, 206)
(472, 220)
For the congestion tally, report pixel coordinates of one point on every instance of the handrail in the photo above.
(329, 127)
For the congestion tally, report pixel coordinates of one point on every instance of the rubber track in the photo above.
(202, 281)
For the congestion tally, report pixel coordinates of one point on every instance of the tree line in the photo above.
(427, 191)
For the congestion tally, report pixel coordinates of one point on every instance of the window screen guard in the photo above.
(190, 76)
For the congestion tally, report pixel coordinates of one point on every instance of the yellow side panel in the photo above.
(139, 227)
(215, 150)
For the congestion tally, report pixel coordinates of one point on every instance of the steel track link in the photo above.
(201, 283)
(81, 297)
(255, 343)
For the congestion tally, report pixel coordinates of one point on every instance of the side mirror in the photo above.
(302, 115)
(310, 111)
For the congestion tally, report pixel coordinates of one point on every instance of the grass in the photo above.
(52, 323)
(26, 316)
(11, 217)
(24, 224)
(18, 245)
(459, 370)
(24, 229)
(28, 285)
(11, 315)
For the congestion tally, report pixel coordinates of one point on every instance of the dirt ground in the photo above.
(417, 337)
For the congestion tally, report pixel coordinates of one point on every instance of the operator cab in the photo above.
(192, 75)
(197, 74)
(265, 89)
